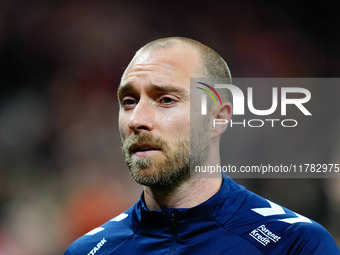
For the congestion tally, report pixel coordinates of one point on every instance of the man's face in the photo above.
(154, 116)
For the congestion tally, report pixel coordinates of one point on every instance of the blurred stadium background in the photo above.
(61, 169)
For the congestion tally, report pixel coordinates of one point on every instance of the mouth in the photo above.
(144, 149)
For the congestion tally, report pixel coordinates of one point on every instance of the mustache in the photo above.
(128, 143)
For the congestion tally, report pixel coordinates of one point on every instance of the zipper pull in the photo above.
(173, 221)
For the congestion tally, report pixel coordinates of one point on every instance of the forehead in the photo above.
(156, 66)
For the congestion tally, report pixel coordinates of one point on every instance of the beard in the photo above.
(166, 170)
(174, 166)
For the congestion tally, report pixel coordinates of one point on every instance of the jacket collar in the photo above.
(220, 207)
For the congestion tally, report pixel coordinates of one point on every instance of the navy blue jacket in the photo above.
(233, 221)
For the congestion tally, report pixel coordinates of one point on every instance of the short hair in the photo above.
(213, 65)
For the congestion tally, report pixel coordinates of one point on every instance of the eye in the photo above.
(167, 101)
(129, 103)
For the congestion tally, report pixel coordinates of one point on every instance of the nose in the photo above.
(142, 117)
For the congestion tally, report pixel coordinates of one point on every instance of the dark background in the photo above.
(61, 169)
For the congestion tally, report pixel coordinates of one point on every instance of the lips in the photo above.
(142, 149)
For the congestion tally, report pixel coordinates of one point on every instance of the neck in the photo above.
(193, 192)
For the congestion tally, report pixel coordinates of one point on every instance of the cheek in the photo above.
(123, 124)
(176, 126)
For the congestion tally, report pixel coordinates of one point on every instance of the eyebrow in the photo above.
(123, 88)
(152, 87)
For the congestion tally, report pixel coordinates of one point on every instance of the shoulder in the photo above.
(313, 238)
(273, 228)
(115, 231)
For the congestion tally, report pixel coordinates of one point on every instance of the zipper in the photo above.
(174, 233)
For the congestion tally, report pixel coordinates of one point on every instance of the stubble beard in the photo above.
(176, 164)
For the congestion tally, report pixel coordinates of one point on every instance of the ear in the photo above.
(221, 117)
